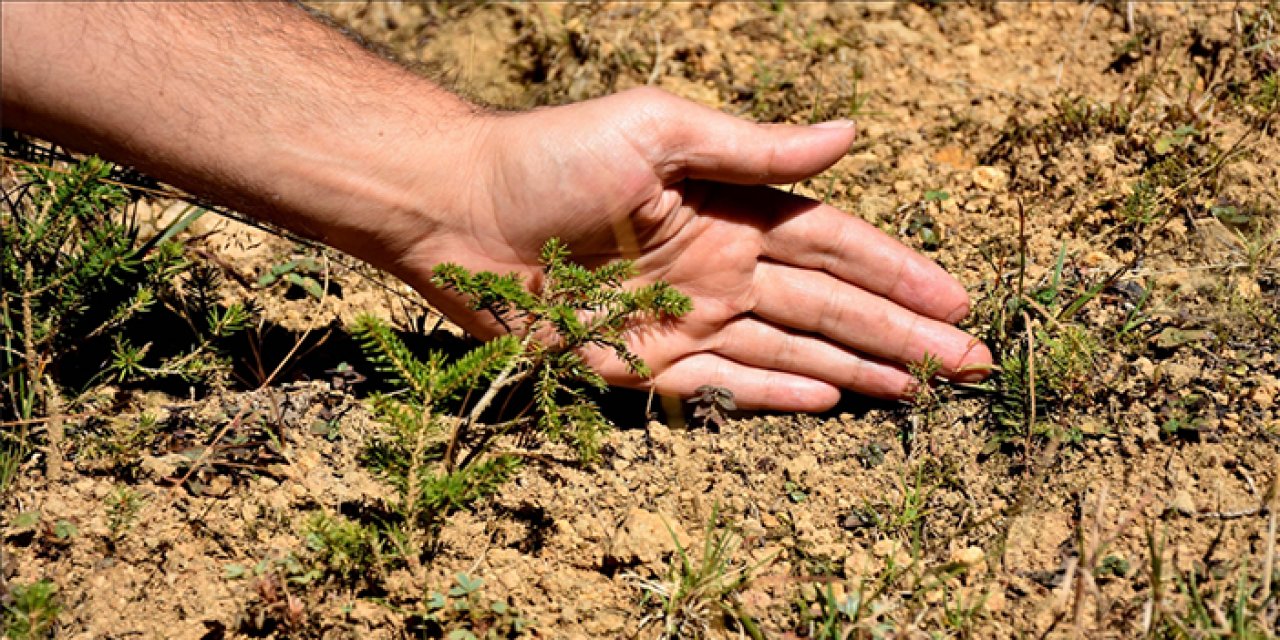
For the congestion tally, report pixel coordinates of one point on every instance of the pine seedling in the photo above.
(30, 611)
(579, 308)
(439, 463)
(76, 280)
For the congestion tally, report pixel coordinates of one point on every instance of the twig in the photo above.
(506, 377)
(1234, 515)
(1269, 560)
(659, 58)
(324, 297)
(1031, 383)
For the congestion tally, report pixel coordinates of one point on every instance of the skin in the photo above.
(262, 108)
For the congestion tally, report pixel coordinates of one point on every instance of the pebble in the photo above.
(1100, 155)
(884, 548)
(645, 537)
(1265, 395)
(1183, 503)
(990, 178)
(968, 556)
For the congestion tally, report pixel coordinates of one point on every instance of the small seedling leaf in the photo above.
(64, 530)
(468, 584)
(25, 521)
(795, 492)
(437, 601)
(234, 571)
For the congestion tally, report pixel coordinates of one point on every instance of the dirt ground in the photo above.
(1147, 483)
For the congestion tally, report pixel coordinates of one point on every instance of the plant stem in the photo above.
(506, 377)
(44, 396)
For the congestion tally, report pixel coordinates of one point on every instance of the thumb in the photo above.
(694, 141)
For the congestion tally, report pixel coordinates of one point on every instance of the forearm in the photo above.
(252, 103)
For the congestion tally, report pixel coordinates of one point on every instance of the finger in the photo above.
(752, 387)
(687, 140)
(805, 233)
(814, 301)
(760, 344)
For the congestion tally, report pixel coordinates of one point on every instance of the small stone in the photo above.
(990, 178)
(1145, 367)
(1246, 287)
(1178, 375)
(1183, 503)
(954, 156)
(645, 537)
(511, 580)
(891, 31)
(756, 600)
(970, 51)
(1101, 155)
(166, 466)
(857, 563)
(995, 601)
(884, 548)
(607, 623)
(800, 466)
(968, 556)
(1265, 395)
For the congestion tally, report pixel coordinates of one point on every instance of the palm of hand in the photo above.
(792, 300)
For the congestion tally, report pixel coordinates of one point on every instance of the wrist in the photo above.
(384, 185)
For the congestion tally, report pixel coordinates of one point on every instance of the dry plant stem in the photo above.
(46, 394)
(43, 420)
(1268, 563)
(1085, 582)
(1084, 571)
(303, 338)
(1031, 383)
(416, 537)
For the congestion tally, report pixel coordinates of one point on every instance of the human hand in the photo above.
(793, 300)
(291, 122)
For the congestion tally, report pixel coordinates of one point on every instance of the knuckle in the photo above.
(831, 315)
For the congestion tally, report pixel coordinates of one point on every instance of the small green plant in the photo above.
(77, 285)
(889, 596)
(305, 274)
(31, 611)
(831, 617)
(463, 613)
(123, 505)
(924, 373)
(437, 450)
(343, 548)
(278, 584)
(712, 405)
(698, 592)
(909, 516)
(115, 445)
(1224, 604)
(580, 308)
(438, 463)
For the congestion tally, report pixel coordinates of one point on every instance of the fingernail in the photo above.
(834, 124)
